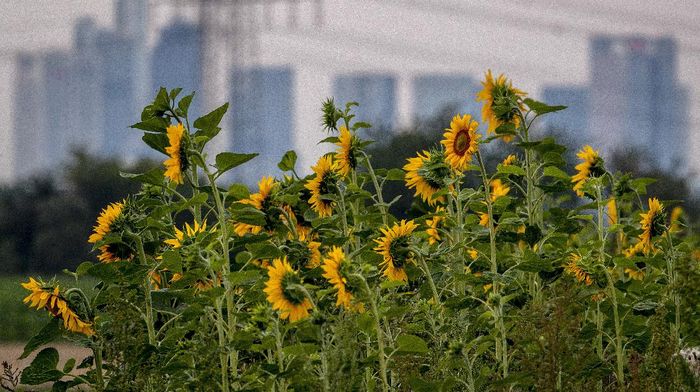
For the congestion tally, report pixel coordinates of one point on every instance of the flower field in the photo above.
(536, 279)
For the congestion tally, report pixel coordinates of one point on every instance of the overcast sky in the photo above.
(536, 42)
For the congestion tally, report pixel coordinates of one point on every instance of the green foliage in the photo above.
(503, 280)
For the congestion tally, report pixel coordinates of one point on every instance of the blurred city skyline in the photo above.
(335, 48)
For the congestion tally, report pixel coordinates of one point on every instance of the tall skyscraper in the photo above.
(87, 85)
(117, 65)
(176, 62)
(635, 96)
(376, 94)
(573, 121)
(262, 119)
(435, 92)
(29, 119)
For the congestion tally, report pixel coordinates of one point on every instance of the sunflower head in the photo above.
(427, 173)
(49, 297)
(111, 219)
(676, 219)
(395, 250)
(322, 185)
(510, 160)
(188, 235)
(460, 141)
(573, 268)
(653, 224)
(178, 163)
(331, 115)
(502, 102)
(304, 253)
(335, 268)
(283, 292)
(612, 211)
(591, 165)
(498, 189)
(433, 225)
(262, 201)
(346, 156)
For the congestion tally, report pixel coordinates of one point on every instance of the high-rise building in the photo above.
(87, 86)
(29, 125)
(434, 93)
(117, 66)
(176, 62)
(262, 119)
(61, 107)
(376, 94)
(635, 97)
(572, 121)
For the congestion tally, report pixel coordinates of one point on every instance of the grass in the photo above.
(19, 322)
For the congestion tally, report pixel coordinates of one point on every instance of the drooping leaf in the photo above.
(49, 333)
(43, 368)
(228, 160)
(542, 108)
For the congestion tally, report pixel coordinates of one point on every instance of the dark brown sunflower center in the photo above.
(291, 290)
(462, 142)
(327, 186)
(184, 163)
(657, 226)
(399, 251)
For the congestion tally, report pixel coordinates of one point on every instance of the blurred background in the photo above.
(75, 74)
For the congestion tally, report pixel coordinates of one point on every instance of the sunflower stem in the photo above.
(673, 276)
(223, 226)
(147, 292)
(280, 353)
(502, 346)
(619, 348)
(97, 352)
(378, 189)
(429, 275)
(380, 334)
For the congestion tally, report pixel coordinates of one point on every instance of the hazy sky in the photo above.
(536, 42)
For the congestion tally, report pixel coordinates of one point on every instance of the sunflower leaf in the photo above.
(153, 177)
(212, 119)
(411, 344)
(553, 171)
(43, 368)
(157, 141)
(511, 169)
(288, 161)
(228, 160)
(47, 334)
(153, 124)
(184, 104)
(542, 108)
(395, 175)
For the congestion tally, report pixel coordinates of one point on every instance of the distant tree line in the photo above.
(45, 220)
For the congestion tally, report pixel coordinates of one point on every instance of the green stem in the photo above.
(230, 313)
(324, 363)
(378, 190)
(619, 349)
(280, 354)
(502, 346)
(380, 335)
(147, 292)
(97, 352)
(673, 276)
(429, 275)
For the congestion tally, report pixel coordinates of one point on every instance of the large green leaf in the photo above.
(49, 333)
(411, 344)
(542, 108)
(288, 161)
(212, 119)
(43, 368)
(228, 160)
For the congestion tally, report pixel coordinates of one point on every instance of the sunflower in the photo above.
(346, 157)
(592, 166)
(484, 219)
(259, 201)
(510, 160)
(574, 269)
(461, 142)
(310, 256)
(105, 224)
(334, 272)
(635, 273)
(49, 298)
(433, 223)
(612, 211)
(427, 173)
(501, 103)
(189, 233)
(322, 185)
(652, 223)
(177, 163)
(291, 302)
(393, 246)
(473, 253)
(676, 219)
(498, 189)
